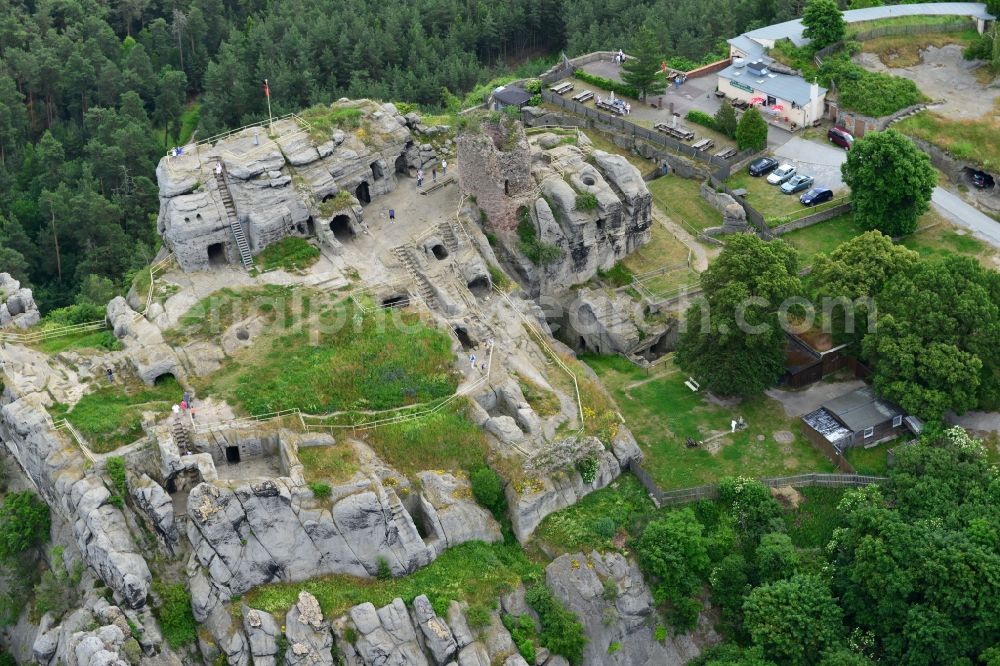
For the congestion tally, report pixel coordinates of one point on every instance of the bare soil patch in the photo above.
(789, 497)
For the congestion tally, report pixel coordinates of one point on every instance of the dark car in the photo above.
(762, 166)
(816, 195)
(982, 180)
(840, 137)
(797, 184)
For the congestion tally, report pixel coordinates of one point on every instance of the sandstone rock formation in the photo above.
(17, 305)
(584, 584)
(606, 322)
(143, 342)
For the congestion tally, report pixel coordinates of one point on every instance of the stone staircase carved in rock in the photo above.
(234, 221)
(181, 435)
(423, 287)
(448, 236)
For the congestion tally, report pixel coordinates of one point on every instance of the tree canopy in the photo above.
(642, 70)
(824, 24)
(751, 131)
(891, 182)
(732, 342)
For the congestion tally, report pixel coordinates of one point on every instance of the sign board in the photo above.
(741, 86)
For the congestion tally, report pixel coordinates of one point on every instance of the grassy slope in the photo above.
(662, 413)
(965, 139)
(679, 199)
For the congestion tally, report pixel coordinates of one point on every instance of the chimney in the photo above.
(813, 91)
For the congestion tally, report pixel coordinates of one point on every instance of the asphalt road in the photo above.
(982, 226)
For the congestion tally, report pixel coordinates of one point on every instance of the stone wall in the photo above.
(810, 220)
(496, 170)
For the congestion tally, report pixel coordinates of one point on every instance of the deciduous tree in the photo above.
(891, 182)
(725, 117)
(794, 620)
(751, 132)
(824, 24)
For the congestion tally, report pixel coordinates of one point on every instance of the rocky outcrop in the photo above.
(554, 481)
(261, 532)
(280, 182)
(17, 305)
(734, 216)
(395, 635)
(56, 468)
(607, 322)
(155, 504)
(310, 642)
(608, 595)
(143, 342)
(262, 634)
(450, 514)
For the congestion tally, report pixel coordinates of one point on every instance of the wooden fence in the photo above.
(711, 491)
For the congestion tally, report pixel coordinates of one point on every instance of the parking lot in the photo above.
(821, 161)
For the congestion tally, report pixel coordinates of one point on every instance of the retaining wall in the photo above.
(815, 218)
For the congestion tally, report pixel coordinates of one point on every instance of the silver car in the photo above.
(781, 174)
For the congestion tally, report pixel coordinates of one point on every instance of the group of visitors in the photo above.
(176, 151)
(186, 405)
(434, 173)
(620, 57)
(617, 102)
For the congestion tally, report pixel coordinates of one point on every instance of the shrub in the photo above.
(477, 616)
(617, 87)
(115, 467)
(176, 619)
(56, 592)
(487, 488)
(522, 631)
(726, 119)
(586, 201)
(290, 253)
(615, 646)
(24, 524)
(383, 572)
(674, 551)
(610, 589)
(588, 469)
(562, 632)
(605, 527)
(751, 131)
(618, 275)
(320, 489)
(703, 119)
(869, 93)
(80, 313)
(537, 251)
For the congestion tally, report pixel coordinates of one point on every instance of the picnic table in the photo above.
(583, 96)
(608, 106)
(561, 88)
(703, 144)
(725, 153)
(677, 132)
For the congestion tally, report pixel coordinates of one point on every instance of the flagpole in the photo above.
(267, 93)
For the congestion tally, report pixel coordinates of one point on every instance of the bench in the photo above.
(725, 153)
(561, 88)
(613, 108)
(676, 132)
(583, 96)
(703, 144)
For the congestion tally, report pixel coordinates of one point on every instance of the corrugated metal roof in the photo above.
(752, 49)
(782, 86)
(825, 424)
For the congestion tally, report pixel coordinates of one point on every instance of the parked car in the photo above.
(762, 166)
(816, 195)
(797, 183)
(981, 179)
(781, 174)
(840, 137)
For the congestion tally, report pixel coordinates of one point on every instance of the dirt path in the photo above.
(701, 255)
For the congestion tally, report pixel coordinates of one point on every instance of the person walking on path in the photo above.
(392, 216)
(434, 174)
(420, 178)
(444, 167)
(111, 376)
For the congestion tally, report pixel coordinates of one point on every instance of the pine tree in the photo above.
(725, 117)
(642, 70)
(751, 132)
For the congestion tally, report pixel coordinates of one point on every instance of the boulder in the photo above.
(153, 501)
(262, 632)
(504, 428)
(451, 514)
(310, 640)
(438, 639)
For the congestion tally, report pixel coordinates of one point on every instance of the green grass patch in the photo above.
(593, 522)
(291, 253)
(811, 524)
(474, 572)
(974, 140)
(823, 237)
(324, 119)
(331, 464)
(937, 237)
(662, 413)
(100, 340)
(174, 613)
(870, 461)
(618, 275)
(339, 201)
(853, 29)
(904, 50)
(351, 361)
(111, 416)
(543, 401)
(212, 315)
(679, 198)
(444, 440)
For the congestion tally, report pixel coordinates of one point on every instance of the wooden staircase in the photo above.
(423, 288)
(448, 235)
(234, 221)
(181, 435)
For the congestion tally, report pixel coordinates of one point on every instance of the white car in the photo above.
(781, 174)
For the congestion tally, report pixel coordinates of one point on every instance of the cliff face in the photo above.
(56, 468)
(589, 207)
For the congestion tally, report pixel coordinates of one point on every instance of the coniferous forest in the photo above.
(93, 92)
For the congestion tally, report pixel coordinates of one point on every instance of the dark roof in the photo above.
(861, 409)
(511, 95)
(825, 424)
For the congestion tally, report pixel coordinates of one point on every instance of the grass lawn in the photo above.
(811, 524)
(444, 440)
(332, 464)
(474, 572)
(212, 315)
(904, 50)
(823, 237)
(575, 528)
(864, 26)
(662, 413)
(679, 199)
(291, 254)
(602, 142)
(774, 205)
(870, 461)
(342, 359)
(111, 416)
(974, 140)
(944, 238)
(101, 340)
(662, 250)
